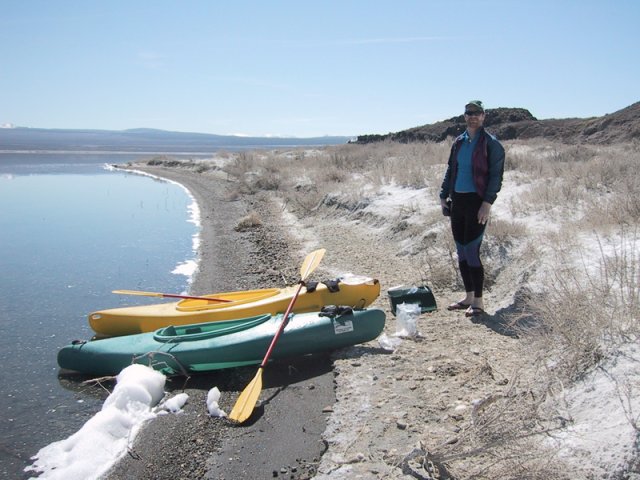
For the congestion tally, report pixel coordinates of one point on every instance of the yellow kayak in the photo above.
(357, 292)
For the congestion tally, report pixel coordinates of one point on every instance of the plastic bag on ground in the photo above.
(389, 343)
(407, 315)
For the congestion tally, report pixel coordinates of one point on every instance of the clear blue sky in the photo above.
(310, 68)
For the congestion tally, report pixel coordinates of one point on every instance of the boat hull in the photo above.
(226, 344)
(148, 318)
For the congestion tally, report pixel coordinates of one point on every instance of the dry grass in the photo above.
(593, 186)
(597, 180)
(503, 432)
(437, 263)
(581, 311)
(588, 309)
(584, 311)
(252, 220)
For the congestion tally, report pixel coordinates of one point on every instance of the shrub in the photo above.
(248, 222)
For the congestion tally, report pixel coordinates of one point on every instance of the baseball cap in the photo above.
(474, 105)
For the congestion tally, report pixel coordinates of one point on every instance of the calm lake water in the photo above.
(72, 231)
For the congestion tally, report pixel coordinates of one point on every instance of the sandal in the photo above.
(474, 312)
(458, 306)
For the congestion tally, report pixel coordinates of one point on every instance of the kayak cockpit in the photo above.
(231, 299)
(201, 331)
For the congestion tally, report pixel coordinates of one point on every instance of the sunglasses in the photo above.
(472, 114)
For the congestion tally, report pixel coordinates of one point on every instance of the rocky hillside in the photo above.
(518, 123)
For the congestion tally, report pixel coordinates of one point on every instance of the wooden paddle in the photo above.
(169, 295)
(247, 400)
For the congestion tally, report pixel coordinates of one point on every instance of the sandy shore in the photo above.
(283, 439)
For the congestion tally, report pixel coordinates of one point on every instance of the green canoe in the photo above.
(216, 345)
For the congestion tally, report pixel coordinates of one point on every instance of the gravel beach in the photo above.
(283, 438)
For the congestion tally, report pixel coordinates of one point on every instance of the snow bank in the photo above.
(104, 438)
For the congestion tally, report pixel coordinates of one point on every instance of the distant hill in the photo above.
(142, 140)
(513, 123)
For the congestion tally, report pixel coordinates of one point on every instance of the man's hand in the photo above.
(484, 212)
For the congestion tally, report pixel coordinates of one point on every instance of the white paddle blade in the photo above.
(311, 262)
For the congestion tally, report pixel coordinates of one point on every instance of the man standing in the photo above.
(470, 186)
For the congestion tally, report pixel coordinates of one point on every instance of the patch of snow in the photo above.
(105, 437)
(392, 201)
(212, 403)
(108, 435)
(605, 409)
(175, 403)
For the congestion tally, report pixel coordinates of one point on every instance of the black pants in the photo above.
(468, 234)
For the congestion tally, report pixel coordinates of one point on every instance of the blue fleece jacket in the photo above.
(487, 162)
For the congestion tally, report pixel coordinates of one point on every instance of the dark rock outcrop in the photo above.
(518, 123)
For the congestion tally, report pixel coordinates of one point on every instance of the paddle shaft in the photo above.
(309, 265)
(281, 328)
(247, 400)
(194, 297)
(170, 295)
